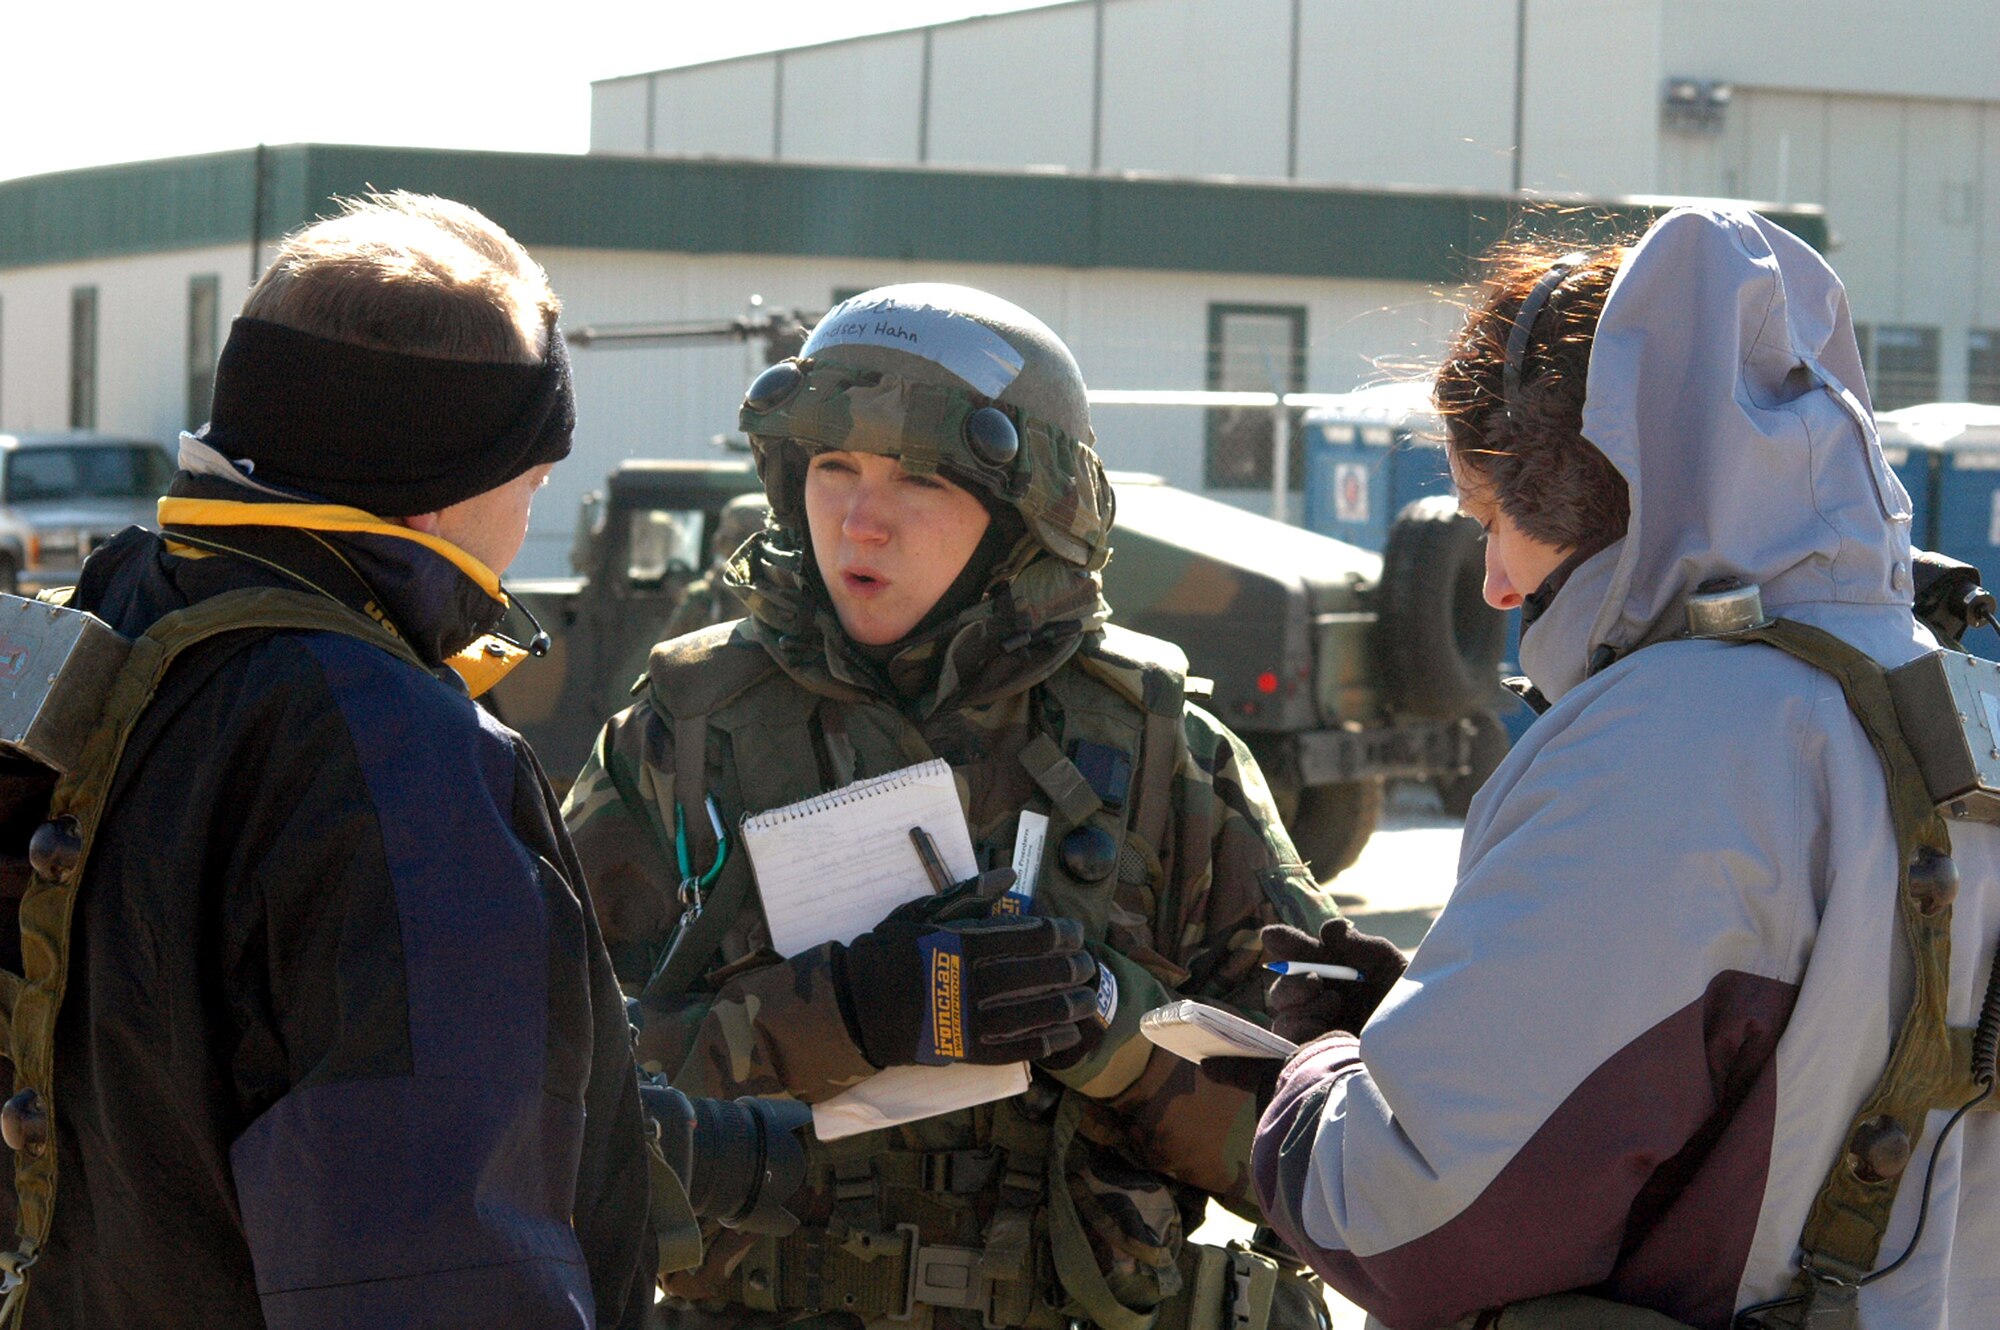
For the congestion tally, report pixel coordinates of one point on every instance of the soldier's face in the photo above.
(889, 544)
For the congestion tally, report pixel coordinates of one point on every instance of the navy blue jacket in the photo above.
(342, 1046)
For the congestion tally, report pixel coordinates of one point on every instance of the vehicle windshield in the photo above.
(94, 471)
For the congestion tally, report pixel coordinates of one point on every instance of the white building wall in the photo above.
(1014, 90)
(620, 120)
(1196, 89)
(1939, 48)
(727, 110)
(1363, 118)
(854, 101)
(142, 311)
(1591, 100)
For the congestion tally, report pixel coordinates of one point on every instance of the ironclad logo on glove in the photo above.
(943, 1038)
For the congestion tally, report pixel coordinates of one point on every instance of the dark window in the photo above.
(1902, 364)
(201, 334)
(1252, 348)
(95, 471)
(83, 357)
(1982, 366)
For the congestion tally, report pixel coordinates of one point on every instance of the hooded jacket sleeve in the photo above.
(1574, 1085)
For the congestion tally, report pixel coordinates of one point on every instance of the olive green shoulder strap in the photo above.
(1091, 1297)
(33, 1001)
(690, 682)
(1843, 1232)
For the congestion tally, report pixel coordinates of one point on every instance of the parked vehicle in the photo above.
(1373, 459)
(68, 493)
(1340, 668)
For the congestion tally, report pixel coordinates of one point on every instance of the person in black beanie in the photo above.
(340, 1043)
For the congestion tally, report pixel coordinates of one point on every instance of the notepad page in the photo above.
(829, 868)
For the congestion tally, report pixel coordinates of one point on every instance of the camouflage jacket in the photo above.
(1179, 917)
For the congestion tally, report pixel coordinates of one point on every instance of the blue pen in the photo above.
(1313, 969)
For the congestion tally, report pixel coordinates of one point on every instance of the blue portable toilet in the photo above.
(1368, 453)
(1948, 457)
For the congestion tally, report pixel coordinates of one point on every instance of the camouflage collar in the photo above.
(1014, 637)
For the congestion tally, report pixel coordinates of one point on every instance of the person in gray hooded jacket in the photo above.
(1630, 1049)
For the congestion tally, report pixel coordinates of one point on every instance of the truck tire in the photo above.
(1489, 746)
(1333, 822)
(1437, 641)
(10, 574)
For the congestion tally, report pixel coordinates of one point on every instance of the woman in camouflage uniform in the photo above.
(929, 587)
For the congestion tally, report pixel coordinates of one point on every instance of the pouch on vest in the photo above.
(56, 665)
(1240, 1287)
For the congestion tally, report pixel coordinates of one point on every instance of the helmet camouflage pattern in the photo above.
(948, 379)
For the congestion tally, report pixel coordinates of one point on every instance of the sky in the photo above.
(85, 84)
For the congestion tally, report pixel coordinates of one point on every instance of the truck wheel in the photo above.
(1333, 822)
(10, 574)
(1489, 746)
(1437, 642)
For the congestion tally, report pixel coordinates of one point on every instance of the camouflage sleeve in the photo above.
(1227, 869)
(761, 1025)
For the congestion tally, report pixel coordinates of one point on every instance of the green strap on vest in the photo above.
(1929, 1063)
(33, 1003)
(1076, 1264)
(676, 1228)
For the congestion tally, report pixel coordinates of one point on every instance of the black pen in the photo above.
(927, 851)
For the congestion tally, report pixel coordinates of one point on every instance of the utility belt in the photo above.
(898, 1277)
(1073, 1238)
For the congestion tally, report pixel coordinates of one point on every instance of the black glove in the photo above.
(1303, 1007)
(740, 1161)
(920, 988)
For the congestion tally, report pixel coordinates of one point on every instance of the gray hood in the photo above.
(1725, 386)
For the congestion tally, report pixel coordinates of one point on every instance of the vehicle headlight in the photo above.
(60, 543)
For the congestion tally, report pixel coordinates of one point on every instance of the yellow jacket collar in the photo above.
(323, 517)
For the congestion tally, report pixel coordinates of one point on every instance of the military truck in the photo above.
(1340, 668)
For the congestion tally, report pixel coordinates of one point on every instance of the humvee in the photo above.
(1338, 667)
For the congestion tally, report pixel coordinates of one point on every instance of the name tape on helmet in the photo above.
(969, 349)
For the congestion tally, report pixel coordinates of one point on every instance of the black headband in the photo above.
(385, 431)
(1524, 325)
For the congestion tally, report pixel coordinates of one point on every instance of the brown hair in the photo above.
(1530, 453)
(412, 273)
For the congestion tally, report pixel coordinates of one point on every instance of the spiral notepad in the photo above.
(830, 867)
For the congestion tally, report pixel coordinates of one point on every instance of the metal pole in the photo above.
(1520, 84)
(257, 214)
(1281, 458)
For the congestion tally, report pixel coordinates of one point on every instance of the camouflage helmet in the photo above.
(946, 378)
